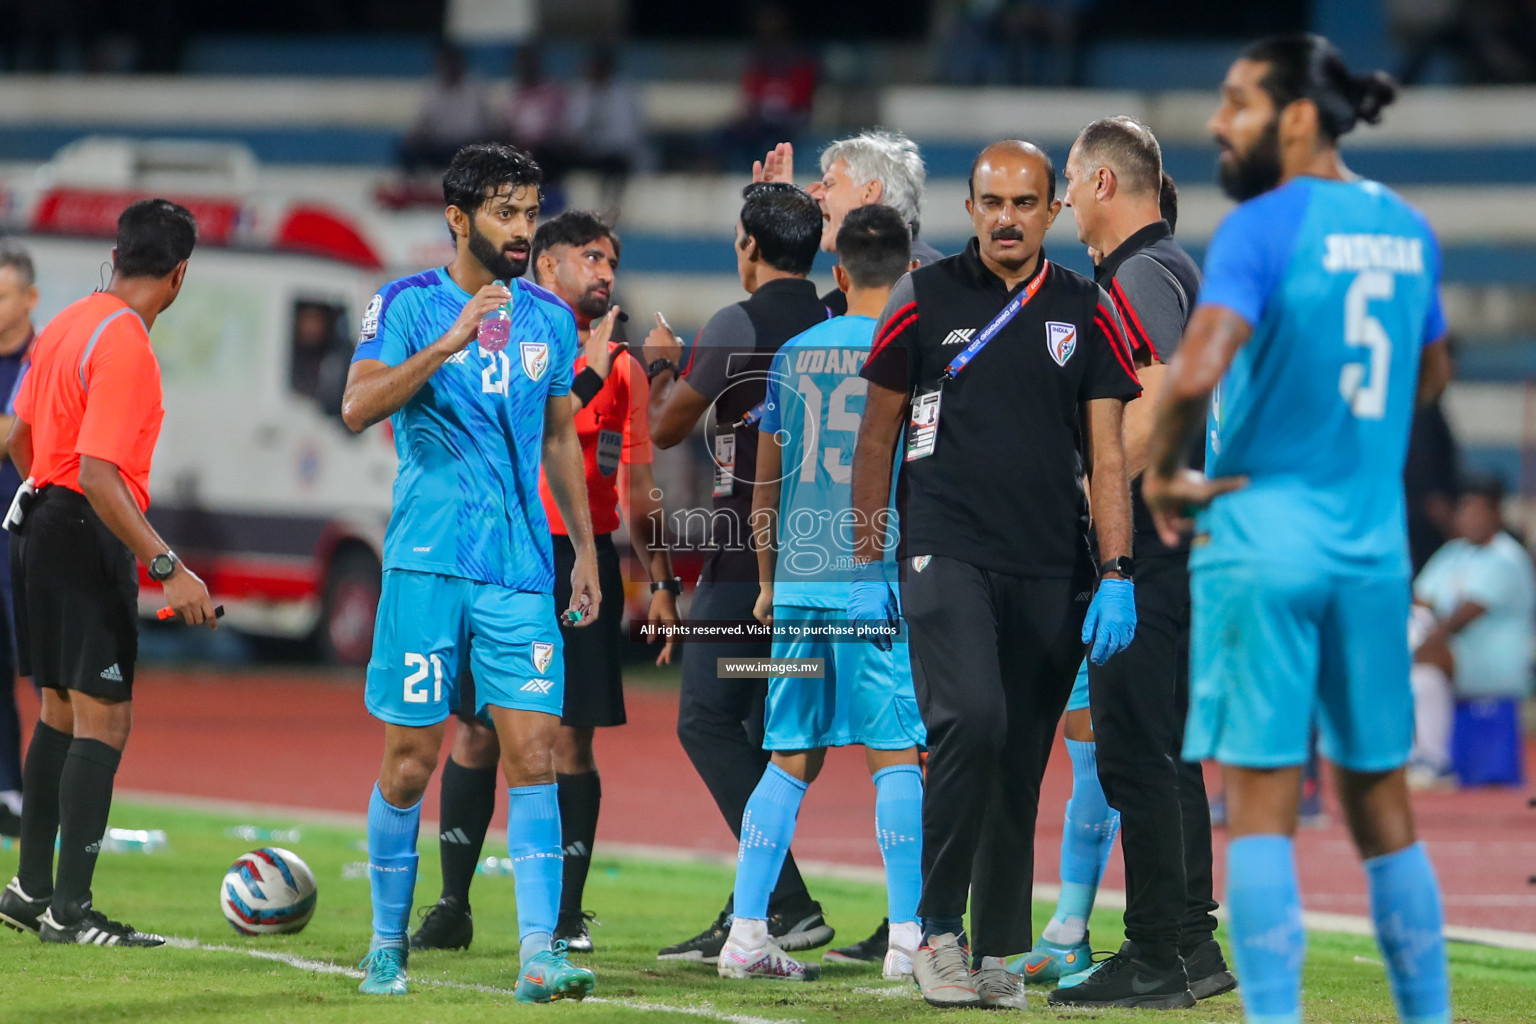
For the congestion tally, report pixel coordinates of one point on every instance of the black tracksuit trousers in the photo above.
(994, 657)
(1139, 700)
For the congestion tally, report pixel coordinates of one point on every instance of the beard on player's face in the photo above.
(502, 262)
(594, 301)
(1245, 175)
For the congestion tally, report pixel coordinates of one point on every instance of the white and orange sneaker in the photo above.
(769, 961)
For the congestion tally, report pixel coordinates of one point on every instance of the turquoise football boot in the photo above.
(1048, 962)
(548, 976)
(386, 971)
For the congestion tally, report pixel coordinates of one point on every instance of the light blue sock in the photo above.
(538, 863)
(899, 827)
(1087, 837)
(391, 866)
(1410, 929)
(767, 828)
(1268, 941)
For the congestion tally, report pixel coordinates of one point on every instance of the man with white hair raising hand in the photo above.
(871, 167)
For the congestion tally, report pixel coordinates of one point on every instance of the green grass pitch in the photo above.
(642, 905)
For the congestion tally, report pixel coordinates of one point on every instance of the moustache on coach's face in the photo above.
(1008, 234)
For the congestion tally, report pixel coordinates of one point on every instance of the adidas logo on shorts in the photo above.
(112, 673)
(537, 686)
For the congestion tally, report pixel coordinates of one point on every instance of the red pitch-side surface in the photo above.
(303, 739)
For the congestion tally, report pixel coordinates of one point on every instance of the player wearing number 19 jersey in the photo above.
(809, 425)
(1320, 305)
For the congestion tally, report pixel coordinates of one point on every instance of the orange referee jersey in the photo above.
(93, 388)
(613, 428)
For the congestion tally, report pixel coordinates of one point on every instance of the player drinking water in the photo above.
(810, 420)
(468, 570)
(1320, 295)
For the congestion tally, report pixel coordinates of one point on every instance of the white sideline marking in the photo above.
(1314, 920)
(891, 992)
(326, 967)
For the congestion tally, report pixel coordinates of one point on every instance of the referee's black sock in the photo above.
(468, 802)
(580, 797)
(40, 808)
(85, 798)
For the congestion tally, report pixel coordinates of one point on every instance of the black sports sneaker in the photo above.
(446, 924)
(704, 947)
(1125, 979)
(93, 929)
(801, 928)
(867, 951)
(20, 911)
(1206, 968)
(572, 930)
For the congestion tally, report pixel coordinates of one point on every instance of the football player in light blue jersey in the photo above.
(802, 527)
(1320, 320)
(468, 564)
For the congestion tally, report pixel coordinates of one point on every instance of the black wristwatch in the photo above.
(671, 586)
(657, 365)
(1125, 565)
(162, 566)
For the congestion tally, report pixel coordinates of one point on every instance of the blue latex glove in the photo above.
(871, 602)
(1111, 621)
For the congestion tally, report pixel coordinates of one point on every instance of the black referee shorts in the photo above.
(76, 590)
(594, 655)
(993, 661)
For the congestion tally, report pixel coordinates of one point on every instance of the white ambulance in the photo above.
(256, 481)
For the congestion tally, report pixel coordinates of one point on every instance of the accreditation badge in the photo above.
(923, 427)
(610, 445)
(725, 462)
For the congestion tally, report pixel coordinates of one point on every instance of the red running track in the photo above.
(303, 739)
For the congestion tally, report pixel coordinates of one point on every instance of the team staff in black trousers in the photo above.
(997, 578)
(1139, 700)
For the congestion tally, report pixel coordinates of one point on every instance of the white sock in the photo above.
(749, 934)
(906, 935)
(1065, 933)
(12, 799)
(993, 963)
(1434, 715)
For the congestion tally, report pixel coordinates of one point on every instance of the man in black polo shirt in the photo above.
(1138, 701)
(997, 576)
(720, 720)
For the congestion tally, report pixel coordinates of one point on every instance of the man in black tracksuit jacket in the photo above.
(1139, 700)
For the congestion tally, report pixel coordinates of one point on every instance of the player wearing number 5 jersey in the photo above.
(1320, 319)
(468, 568)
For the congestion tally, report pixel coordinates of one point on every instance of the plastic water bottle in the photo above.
(495, 329)
(255, 834)
(133, 840)
(494, 866)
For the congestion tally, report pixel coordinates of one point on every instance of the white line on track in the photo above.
(1314, 920)
(704, 1010)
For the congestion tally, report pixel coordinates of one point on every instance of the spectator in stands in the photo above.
(1504, 41)
(530, 117)
(778, 89)
(605, 128)
(1475, 612)
(453, 114)
(1014, 42)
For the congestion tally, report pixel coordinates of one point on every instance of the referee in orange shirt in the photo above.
(87, 418)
